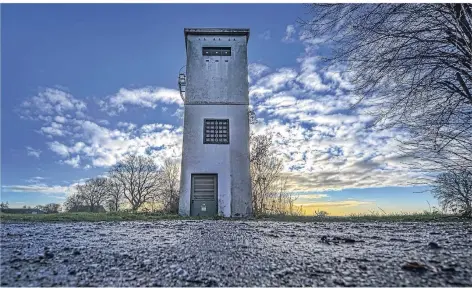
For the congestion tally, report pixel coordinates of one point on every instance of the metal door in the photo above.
(204, 195)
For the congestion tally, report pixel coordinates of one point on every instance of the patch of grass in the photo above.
(85, 216)
(126, 216)
(372, 217)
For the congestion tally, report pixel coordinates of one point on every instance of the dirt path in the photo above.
(230, 253)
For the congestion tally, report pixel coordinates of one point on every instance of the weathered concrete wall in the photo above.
(230, 162)
(217, 82)
(217, 87)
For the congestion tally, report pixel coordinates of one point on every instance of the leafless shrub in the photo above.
(269, 194)
(169, 185)
(453, 189)
(320, 213)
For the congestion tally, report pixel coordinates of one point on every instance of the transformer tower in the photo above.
(215, 177)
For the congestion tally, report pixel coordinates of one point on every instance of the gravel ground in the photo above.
(236, 253)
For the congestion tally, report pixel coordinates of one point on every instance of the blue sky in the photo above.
(81, 85)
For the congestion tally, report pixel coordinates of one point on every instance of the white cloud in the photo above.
(147, 97)
(33, 152)
(273, 82)
(312, 43)
(104, 122)
(154, 127)
(35, 179)
(74, 161)
(53, 130)
(265, 35)
(39, 188)
(289, 34)
(309, 76)
(60, 119)
(327, 204)
(59, 148)
(325, 144)
(256, 70)
(306, 197)
(127, 125)
(102, 147)
(52, 101)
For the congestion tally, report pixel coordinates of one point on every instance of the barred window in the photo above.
(216, 131)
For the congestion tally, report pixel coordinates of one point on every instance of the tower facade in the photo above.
(215, 178)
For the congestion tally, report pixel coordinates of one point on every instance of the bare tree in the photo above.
(413, 63)
(4, 205)
(93, 193)
(453, 189)
(73, 202)
(269, 194)
(115, 192)
(169, 185)
(50, 208)
(139, 177)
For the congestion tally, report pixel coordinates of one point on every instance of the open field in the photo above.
(123, 216)
(236, 253)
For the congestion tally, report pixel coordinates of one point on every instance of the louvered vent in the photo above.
(204, 187)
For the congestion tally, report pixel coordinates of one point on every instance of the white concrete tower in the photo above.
(215, 178)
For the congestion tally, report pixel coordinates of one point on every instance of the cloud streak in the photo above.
(33, 152)
(147, 97)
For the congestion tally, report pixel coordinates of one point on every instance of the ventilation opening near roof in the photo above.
(216, 51)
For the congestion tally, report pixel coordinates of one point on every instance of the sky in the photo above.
(84, 84)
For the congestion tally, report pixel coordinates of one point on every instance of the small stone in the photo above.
(284, 272)
(181, 272)
(398, 240)
(48, 255)
(434, 245)
(147, 262)
(414, 266)
(448, 269)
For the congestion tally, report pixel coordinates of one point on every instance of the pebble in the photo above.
(434, 245)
